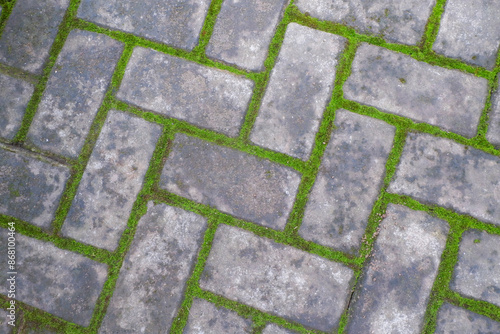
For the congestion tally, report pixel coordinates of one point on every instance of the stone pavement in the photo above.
(258, 166)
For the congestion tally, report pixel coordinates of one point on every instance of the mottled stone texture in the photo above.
(111, 181)
(243, 32)
(234, 182)
(275, 278)
(14, 97)
(174, 22)
(470, 30)
(440, 171)
(206, 318)
(29, 33)
(455, 320)
(477, 273)
(275, 329)
(57, 281)
(5, 328)
(348, 182)
(494, 128)
(152, 279)
(299, 88)
(400, 21)
(30, 189)
(74, 92)
(401, 85)
(178, 88)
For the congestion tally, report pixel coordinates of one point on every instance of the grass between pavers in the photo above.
(290, 236)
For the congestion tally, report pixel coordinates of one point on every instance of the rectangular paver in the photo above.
(5, 328)
(453, 319)
(348, 182)
(74, 92)
(397, 281)
(152, 279)
(29, 33)
(182, 89)
(298, 91)
(275, 278)
(30, 189)
(243, 32)
(234, 182)
(440, 171)
(399, 84)
(493, 134)
(111, 181)
(58, 281)
(275, 329)
(14, 97)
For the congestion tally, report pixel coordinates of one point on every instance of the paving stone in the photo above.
(455, 320)
(470, 30)
(153, 276)
(494, 128)
(206, 318)
(243, 32)
(275, 278)
(399, 84)
(299, 89)
(14, 97)
(477, 273)
(234, 182)
(74, 92)
(5, 328)
(58, 281)
(30, 189)
(177, 23)
(398, 279)
(111, 181)
(275, 329)
(439, 171)
(400, 21)
(178, 88)
(29, 33)
(348, 183)
(40, 330)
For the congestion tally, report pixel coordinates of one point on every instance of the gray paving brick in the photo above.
(29, 33)
(494, 127)
(278, 279)
(74, 92)
(399, 84)
(178, 88)
(398, 279)
(232, 181)
(30, 189)
(452, 319)
(243, 32)
(299, 89)
(58, 281)
(348, 182)
(206, 318)
(177, 23)
(440, 171)
(275, 329)
(5, 328)
(401, 21)
(477, 273)
(111, 181)
(14, 97)
(470, 30)
(152, 279)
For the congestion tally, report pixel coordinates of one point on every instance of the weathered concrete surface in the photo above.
(348, 183)
(275, 278)
(14, 97)
(493, 134)
(153, 276)
(399, 84)
(452, 319)
(275, 329)
(5, 328)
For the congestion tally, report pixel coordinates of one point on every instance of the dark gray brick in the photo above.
(275, 329)
(57, 281)
(399, 84)
(243, 32)
(30, 189)
(178, 88)
(440, 171)
(494, 128)
(232, 181)
(398, 279)
(111, 181)
(454, 320)
(278, 279)
(74, 92)
(348, 182)
(14, 97)
(29, 33)
(152, 279)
